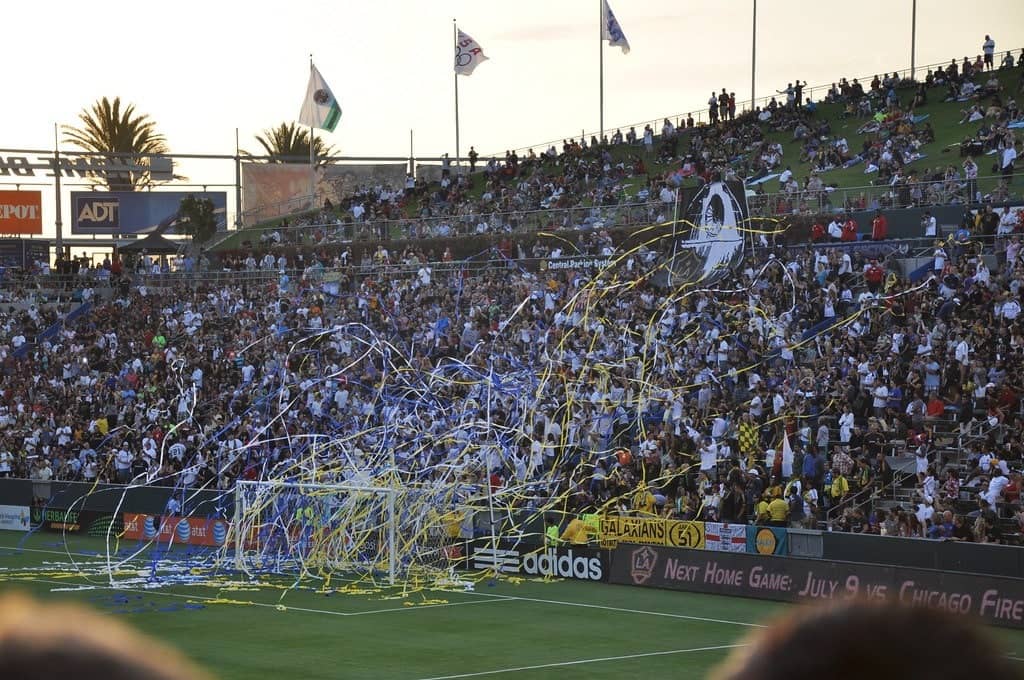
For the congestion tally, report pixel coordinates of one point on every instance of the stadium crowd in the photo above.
(601, 388)
(607, 400)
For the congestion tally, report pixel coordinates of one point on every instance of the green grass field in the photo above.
(515, 628)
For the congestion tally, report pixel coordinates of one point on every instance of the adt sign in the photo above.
(97, 214)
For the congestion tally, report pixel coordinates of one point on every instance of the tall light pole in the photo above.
(913, 35)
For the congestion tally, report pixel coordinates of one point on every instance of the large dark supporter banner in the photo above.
(996, 600)
(571, 562)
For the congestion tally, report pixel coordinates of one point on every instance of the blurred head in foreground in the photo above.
(855, 641)
(40, 641)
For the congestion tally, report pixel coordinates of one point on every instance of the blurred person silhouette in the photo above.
(858, 640)
(50, 641)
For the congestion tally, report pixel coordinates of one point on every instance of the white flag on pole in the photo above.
(319, 109)
(468, 54)
(611, 31)
(787, 456)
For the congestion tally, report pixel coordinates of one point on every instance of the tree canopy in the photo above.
(289, 143)
(121, 137)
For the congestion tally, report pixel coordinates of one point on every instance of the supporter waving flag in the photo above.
(611, 31)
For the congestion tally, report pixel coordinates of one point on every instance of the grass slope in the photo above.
(943, 116)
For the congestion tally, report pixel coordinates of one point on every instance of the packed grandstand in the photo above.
(526, 331)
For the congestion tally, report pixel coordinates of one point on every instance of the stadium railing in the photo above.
(764, 205)
(865, 197)
(540, 219)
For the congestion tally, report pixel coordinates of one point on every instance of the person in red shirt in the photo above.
(817, 231)
(849, 230)
(936, 407)
(873, 275)
(879, 227)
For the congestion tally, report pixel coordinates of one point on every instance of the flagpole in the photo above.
(600, 62)
(753, 59)
(58, 224)
(913, 36)
(455, 38)
(312, 157)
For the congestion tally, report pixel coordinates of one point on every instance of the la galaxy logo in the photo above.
(642, 562)
(714, 214)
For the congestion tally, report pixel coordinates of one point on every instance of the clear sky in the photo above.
(202, 69)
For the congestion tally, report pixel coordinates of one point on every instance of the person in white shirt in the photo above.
(786, 175)
(709, 458)
(988, 48)
(929, 224)
(778, 403)
(971, 175)
(1011, 309)
(835, 230)
(962, 354)
(1007, 222)
(123, 464)
(846, 425)
(881, 398)
(925, 512)
(1009, 158)
(994, 493)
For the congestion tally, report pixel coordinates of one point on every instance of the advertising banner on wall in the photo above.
(171, 529)
(570, 562)
(725, 537)
(272, 190)
(994, 599)
(653, 531)
(136, 212)
(15, 518)
(21, 213)
(767, 540)
(73, 521)
(574, 263)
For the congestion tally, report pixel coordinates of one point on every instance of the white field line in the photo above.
(428, 606)
(562, 664)
(281, 607)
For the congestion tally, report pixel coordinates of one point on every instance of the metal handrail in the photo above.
(885, 197)
(759, 206)
(539, 219)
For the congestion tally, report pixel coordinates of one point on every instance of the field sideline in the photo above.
(513, 628)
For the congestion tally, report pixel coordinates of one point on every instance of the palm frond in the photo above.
(107, 128)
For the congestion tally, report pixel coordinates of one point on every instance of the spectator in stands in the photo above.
(879, 227)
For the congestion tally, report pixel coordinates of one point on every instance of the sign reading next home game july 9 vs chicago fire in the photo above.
(134, 212)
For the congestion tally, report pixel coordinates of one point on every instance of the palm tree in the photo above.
(108, 130)
(288, 143)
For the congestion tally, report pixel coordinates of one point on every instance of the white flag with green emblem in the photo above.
(320, 109)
